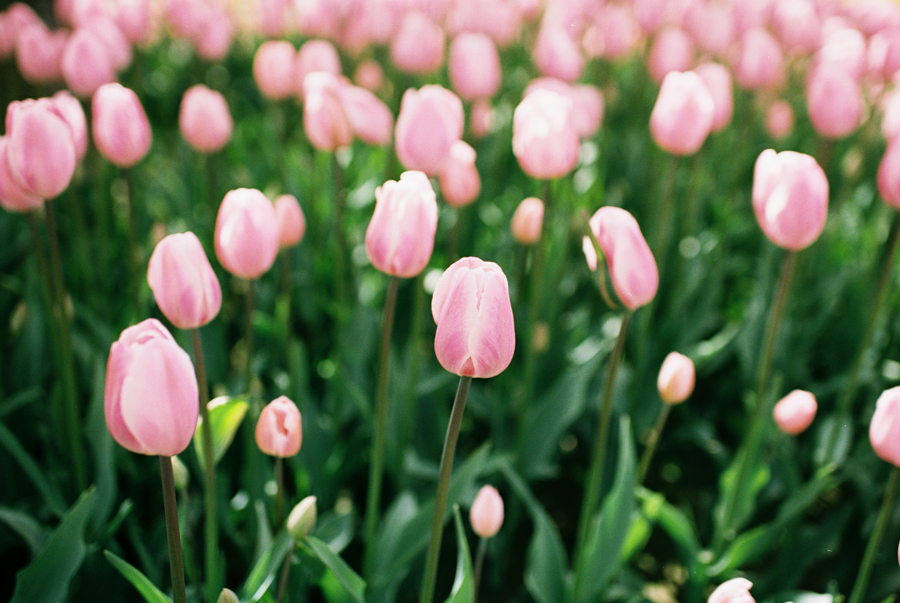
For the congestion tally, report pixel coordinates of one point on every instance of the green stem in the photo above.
(415, 360)
(768, 350)
(134, 258)
(862, 579)
(376, 465)
(248, 339)
(340, 254)
(592, 496)
(479, 564)
(443, 490)
(534, 308)
(173, 534)
(209, 487)
(653, 441)
(279, 520)
(664, 226)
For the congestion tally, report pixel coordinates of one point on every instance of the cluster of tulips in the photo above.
(488, 154)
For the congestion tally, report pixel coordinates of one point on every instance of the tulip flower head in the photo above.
(736, 590)
(302, 520)
(41, 150)
(676, 378)
(475, 331)
(247, 233)
(279, 430)
(486, 514)
(291, 221)
(121, 129)
(430, 121)
(683, 115)
(184, 284)
(884, 430)
(528, 221)
(545, 138)
(459, 179)
(151, 402)
(12, 196)
(790, 198)
(204, 119)
(274, 69)
(794, 413)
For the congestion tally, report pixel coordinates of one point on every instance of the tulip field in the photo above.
(395, 301)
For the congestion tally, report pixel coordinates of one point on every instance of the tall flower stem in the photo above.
(760, 412)
(376, 464)
(134, 258)
(887, 505)
(279, 520)
(665, 218)
(173, 534)
(536, 289)
(248, 340)
(341, 253)
(653, 441)
(209, 466)
(479, 564)
(443, 490)
(595, 473)
(415, 360)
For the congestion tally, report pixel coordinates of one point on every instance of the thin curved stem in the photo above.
(173, 534)
(479, 564)
(887, 505)
(654, 440)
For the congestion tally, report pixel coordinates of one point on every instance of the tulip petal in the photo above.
(459, 315)
(492, 340)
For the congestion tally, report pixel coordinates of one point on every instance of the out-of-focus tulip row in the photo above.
(658, 240)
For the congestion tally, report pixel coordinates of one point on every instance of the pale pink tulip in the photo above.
(486, 514)
(71, 111)
(834, 101)
(779, 119)
(274, 69)
(183, 282)
(247, 233)
(86, 63)
(430, 121)
(459, 179)
(556, 54)
(39, 53)
(672, 50)
(121, 129)
(315, 55)
(41, 150)
(291, 221)
(676, 378)
(12, 196)
(545, 139)
(528, 220)
(370, 118)
(324, 120)
(736, 590)
(279, 430)
(418, 45)
(683, 115)
(718, 80)
(760, 61)
(204, 119)
(795, 412)
(884, 429)
(474, 66)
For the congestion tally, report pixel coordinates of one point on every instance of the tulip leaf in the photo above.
(225, 416)
(34, 534)
(263, 573)
(46, 578)
(673, 521)
(52, 497)
(350, 580)
(141, 582)
(464, 582)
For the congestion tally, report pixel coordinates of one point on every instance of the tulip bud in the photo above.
(279, 430)
(324, 120)
(834, 101)
(246, 233)
(86, 63)
(70, 109)
(151, 401)
(889, 175)
(760, 62)
(672, 50)
(181, 475)
(302, 520)
(133, 18)
(556, 54)
(39, 53)
(676, 378)
(370, 119)
(884, 430)
(274, 69)
(460, 182)
(779, 119)
(632, 266)
(683, 115)
(474, 66)
(418, 44)
(475, 331)
(121, 129)
(790, 198)
(545, 140)
(291, 221)
(430, 121)
(369, 75)
(486, 514)
(481, 118)
(711, 26)
(528, 221)
(184, 284)
(795, 412)
(736, 590)
(718, 80)
(214, 34)
(12, 196)
(41, 150)
(315, 55)
(204, 119)
(400, 237)
(227, 596)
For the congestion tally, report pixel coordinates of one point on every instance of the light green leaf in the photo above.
(46, 579)
(263, 573)
(225, 416)
(143, 584)
(464, 583)
(350, 580)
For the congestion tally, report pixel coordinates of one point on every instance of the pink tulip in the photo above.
(779, 119)
(632, 267)
(317, 18)
(183, 283)
(274, 69)
(844, 47)
(683, 115)
(481, 118)
(475, 331)
(324, 119)
(711, 26)
(400, 237)
(676, 378)
(889, 175)
(718, 80)
(271, 17)
(528, 221)
(459, 180)
(41, 150)
(315, 55)
(587, 102)
(418, 45)
(556, 54)
(369, 75)
(430, 121)
(39, 53)
(8, 36)
(70, 109)
(795, 412)
(246, 233)
(121, 129)
(291, 221)
(614, 34)
(279, 430)
(117, 44)
(545, 139)
(204, 119)
(86, 63)
(133, 18)
(884, 54)
(474, 66)
(151, 398)
(884, 430)
(760, 61)
(736, 590)
(790, 198)
(834, 101)
(797, 25)
(12, 196)
(214, 34)
(672, 50)
(486, 514)
(370, 119)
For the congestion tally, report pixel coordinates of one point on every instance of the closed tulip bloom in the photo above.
(760, 61)
(121, 129)
(460, 182)
(133, 18)
(324, 120)
(718, 80)
(39, 53)
(430, 121)
(315, 55)
(70, 109)
(672, 50)
(369, 75)
(41, 151)
(474, 66)
(676, 378)
(556, 54)
(12, 196)
(844, 47)
(246, 233)
(418, 44)
(274, 69)
(291, 221)
(400, 237)
(790, 198)
(370, 119)
(711, 25)
(528, 221)
(736, 590)
(204, 119)
(683, 115)
(779, 119)
(86, 63)
(587, 102)
(889, 175)
(481, 118)
(214, 35)
(476, 334)
(279, 430)
(183, 283)
(151, 399)
(632, 266)
(545, 139)
(834, 101)
(302, 520)
(486, 514)
(884, 430)
(795, 412)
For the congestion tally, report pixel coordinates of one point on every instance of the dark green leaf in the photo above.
(464, 583)
(52, 497)
(263, 573)
(143, 584)
(350, 580)
(34, 534)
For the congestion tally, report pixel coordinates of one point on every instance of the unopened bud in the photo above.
(227, 596)
(302, 520)
(181, 474)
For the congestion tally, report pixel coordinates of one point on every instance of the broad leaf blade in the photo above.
(464, 582)
(263, 573)
(350, 580)
(225, 416)
(143, 584)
